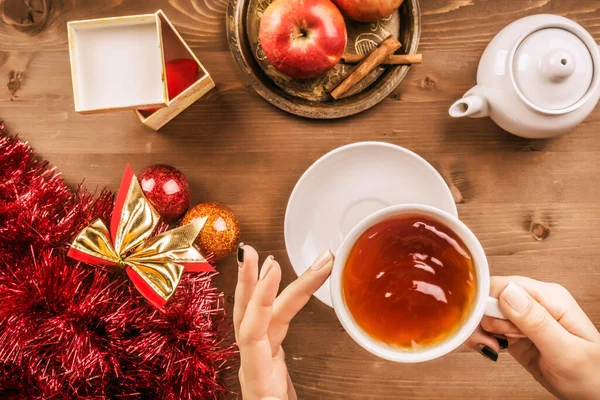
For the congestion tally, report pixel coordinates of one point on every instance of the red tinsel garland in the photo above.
(68, 330)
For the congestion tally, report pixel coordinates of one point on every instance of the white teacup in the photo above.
(483, 304)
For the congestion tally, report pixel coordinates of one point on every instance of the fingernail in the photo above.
(503, 343)
(266, 267)
(515, 297)
(322, 260)
(488, 353)
(240, 254)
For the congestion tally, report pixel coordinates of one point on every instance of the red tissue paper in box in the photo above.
(181, 74)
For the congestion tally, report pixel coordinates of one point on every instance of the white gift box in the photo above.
(119, 64)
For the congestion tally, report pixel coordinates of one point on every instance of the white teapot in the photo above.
(538, 78)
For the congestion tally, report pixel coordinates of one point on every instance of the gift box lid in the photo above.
(117, 63)
(176, 49)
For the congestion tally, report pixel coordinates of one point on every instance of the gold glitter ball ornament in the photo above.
(221, 232)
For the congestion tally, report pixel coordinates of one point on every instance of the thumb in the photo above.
(550, 338)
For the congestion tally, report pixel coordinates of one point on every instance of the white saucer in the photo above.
(348, 184)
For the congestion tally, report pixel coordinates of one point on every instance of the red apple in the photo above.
(367, 10)
(303, 38)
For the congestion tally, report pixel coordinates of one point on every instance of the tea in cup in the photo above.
(410, 283)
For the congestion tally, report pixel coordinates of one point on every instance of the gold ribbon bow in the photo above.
(154, 264)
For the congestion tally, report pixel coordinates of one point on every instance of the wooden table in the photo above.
(532, 203)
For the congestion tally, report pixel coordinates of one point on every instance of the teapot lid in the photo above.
(553, 68)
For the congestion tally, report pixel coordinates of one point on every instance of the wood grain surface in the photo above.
(533, 204)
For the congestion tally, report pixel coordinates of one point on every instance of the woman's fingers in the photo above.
(484, 343)
(296, 295)
(255, 349)
(247, 277)
(556, 300)
(531, 318)
(258, 313)
(501, 327)
(291, 390)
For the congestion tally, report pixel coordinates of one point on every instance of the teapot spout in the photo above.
(472, 105)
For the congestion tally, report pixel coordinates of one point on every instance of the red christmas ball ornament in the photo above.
(167, 190)
(181, 74)
(220, 233)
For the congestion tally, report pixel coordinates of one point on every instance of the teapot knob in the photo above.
(558, 64)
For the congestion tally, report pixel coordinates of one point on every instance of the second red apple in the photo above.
(367, 10)
(303, 38)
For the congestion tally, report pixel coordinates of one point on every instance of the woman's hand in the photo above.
(548, 334)
(261, 320)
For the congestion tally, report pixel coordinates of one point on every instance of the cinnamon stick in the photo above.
(394, 59)
(377, 56)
